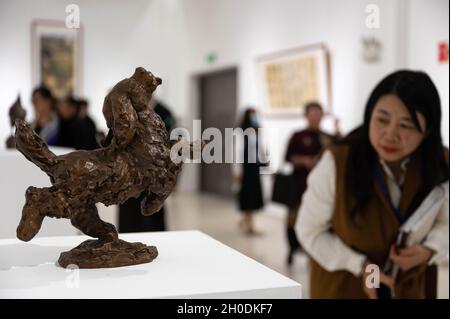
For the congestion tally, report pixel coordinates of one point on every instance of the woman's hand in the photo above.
(236, 183)
(309, 162)
(303, 160)
(410, 257)
(384, 279)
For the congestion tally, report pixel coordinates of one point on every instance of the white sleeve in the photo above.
(263, 153)
(437, 239)
(314, 222)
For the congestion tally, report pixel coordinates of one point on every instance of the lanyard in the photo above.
(400, 217)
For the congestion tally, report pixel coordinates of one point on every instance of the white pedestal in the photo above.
(190, 265)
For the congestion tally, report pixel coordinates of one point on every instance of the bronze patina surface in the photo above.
(135, 158)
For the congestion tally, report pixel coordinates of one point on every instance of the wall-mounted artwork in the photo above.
(56, 57)
(372, 49)
(291, 78)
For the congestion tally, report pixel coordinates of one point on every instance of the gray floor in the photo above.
(219, 219)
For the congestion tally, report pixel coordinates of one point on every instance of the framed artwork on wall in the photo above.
(56, 57)
(291, 78)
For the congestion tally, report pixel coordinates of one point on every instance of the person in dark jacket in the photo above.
(304, 150)
(75, 132)
(91, 136)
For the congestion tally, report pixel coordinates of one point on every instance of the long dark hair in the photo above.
(246, 120)
(417, 91)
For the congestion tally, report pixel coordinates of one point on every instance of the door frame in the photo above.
(195, 107)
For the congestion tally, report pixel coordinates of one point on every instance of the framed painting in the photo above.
(289, 79)
(56, 57)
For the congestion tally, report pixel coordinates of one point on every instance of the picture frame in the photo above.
(291, 78)
(56, 57)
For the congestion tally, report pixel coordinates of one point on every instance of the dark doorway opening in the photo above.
(218, 104)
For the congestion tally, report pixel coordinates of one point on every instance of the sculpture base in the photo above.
(99, 254)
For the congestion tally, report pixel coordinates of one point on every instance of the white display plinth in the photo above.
(190, 265)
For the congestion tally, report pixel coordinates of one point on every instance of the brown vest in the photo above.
(372, 233)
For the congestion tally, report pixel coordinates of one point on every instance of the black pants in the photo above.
(294, 244)
(293, 241)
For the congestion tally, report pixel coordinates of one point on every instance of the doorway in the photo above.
(218, 104)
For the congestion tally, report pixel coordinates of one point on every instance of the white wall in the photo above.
(427, 26)
(172, 37)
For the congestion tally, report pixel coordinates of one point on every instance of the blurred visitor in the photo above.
(46, 121)
(303, 152)
(92, 137)
(246, 172)
(75, 132)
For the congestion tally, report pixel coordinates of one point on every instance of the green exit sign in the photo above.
(211, 57)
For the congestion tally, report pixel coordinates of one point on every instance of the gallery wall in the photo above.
(428, 25)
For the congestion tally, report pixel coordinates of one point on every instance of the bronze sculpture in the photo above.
(16, 111)
(135, 157)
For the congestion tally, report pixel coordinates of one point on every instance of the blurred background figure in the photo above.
(75, 132)
(89, 126)
(130, 217)
(303, 152)
(68, 125)
(246, 173)
(46, 121)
